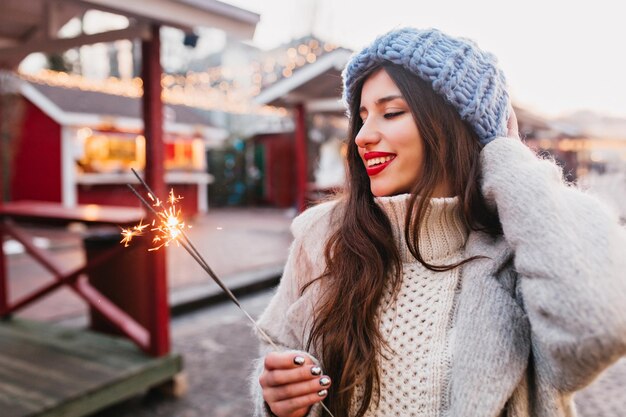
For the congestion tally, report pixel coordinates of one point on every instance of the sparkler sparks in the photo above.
(129, 233)
(168, 226)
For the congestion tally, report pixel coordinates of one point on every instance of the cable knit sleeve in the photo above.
(569, 255)
(287, 317)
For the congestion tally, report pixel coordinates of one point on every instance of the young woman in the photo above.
(458, 275)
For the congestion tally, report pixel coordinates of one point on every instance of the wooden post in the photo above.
(4, 148)
(301, 157)
(154, 175)
(3, 164)
(4, 296)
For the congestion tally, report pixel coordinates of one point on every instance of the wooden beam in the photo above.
(6, 42)
(284, 89)
(223, 9)
(4, 295)
(239, 23)
(153, 112)
(325, 105)
(55, 45)
(43, 25)
(21, 17)
(51, 371)
(53, 19)
(155, 177)
(302, 168)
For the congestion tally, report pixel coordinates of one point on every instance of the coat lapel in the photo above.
(491, 334)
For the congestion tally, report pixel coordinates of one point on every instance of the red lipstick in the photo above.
(375, 169)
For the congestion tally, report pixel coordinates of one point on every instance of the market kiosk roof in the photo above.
(28, 26)
(74, 107)
(317, 85)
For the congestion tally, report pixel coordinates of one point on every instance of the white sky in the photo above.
(559, 56)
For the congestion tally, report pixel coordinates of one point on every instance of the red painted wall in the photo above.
(37, 170)
(37, 163)
(120, 195)
(279, 175)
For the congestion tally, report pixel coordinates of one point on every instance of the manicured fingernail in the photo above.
(324, 381)
(322, 393)
(316, 370)
(298, 360)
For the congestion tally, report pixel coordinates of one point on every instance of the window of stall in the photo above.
(113, 151)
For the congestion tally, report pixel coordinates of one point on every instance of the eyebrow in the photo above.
(384, 100)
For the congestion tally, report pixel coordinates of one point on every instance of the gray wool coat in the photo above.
(532, 324)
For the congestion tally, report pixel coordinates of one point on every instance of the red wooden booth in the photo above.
(75, 373)
(84, 144)
(314, 88)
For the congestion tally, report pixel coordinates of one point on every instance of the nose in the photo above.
(368, 135)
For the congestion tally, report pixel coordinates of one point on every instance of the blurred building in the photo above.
(262, 102)
(583, 143)
(78, 146)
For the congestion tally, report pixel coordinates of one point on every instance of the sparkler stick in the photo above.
(189, 247)
(186, 244)
(193, 251)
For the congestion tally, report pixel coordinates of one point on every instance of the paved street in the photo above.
(218, 348)
(217, 342)
(233, 241)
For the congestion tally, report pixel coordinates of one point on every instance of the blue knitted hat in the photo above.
(467, 77)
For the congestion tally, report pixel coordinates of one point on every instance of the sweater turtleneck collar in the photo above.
(442, 232)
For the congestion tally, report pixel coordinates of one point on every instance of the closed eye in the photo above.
(394, 114)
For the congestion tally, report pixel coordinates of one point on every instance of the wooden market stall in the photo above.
(85, 142)
(314, 88)
(52, 371)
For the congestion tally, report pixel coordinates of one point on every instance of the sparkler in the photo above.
(169, 227)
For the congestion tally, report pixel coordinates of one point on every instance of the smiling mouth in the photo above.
(378, 161)
(374, 164)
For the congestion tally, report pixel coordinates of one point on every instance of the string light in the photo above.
(217, 88)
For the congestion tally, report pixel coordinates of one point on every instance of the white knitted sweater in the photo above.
(537, 318)
(415, 322)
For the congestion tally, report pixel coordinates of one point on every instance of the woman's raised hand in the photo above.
(511, 124)
(292, 383)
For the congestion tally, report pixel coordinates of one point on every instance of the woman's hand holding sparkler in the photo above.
(292, 383)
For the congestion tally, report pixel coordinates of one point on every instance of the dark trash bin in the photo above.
(122, 278)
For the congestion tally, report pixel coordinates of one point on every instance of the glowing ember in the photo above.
(170, 226)
(129, 233)
(157, 202)
(167, 227)
(174, 199)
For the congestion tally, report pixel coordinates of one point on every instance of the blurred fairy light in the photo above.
(217, 88)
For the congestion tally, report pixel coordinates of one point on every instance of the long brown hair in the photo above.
(361, 255)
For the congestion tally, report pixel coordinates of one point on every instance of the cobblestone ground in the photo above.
(232, 241)
(218, 347)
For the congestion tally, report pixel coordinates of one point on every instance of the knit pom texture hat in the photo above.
(467, 77)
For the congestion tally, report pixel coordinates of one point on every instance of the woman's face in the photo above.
(389, 143)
